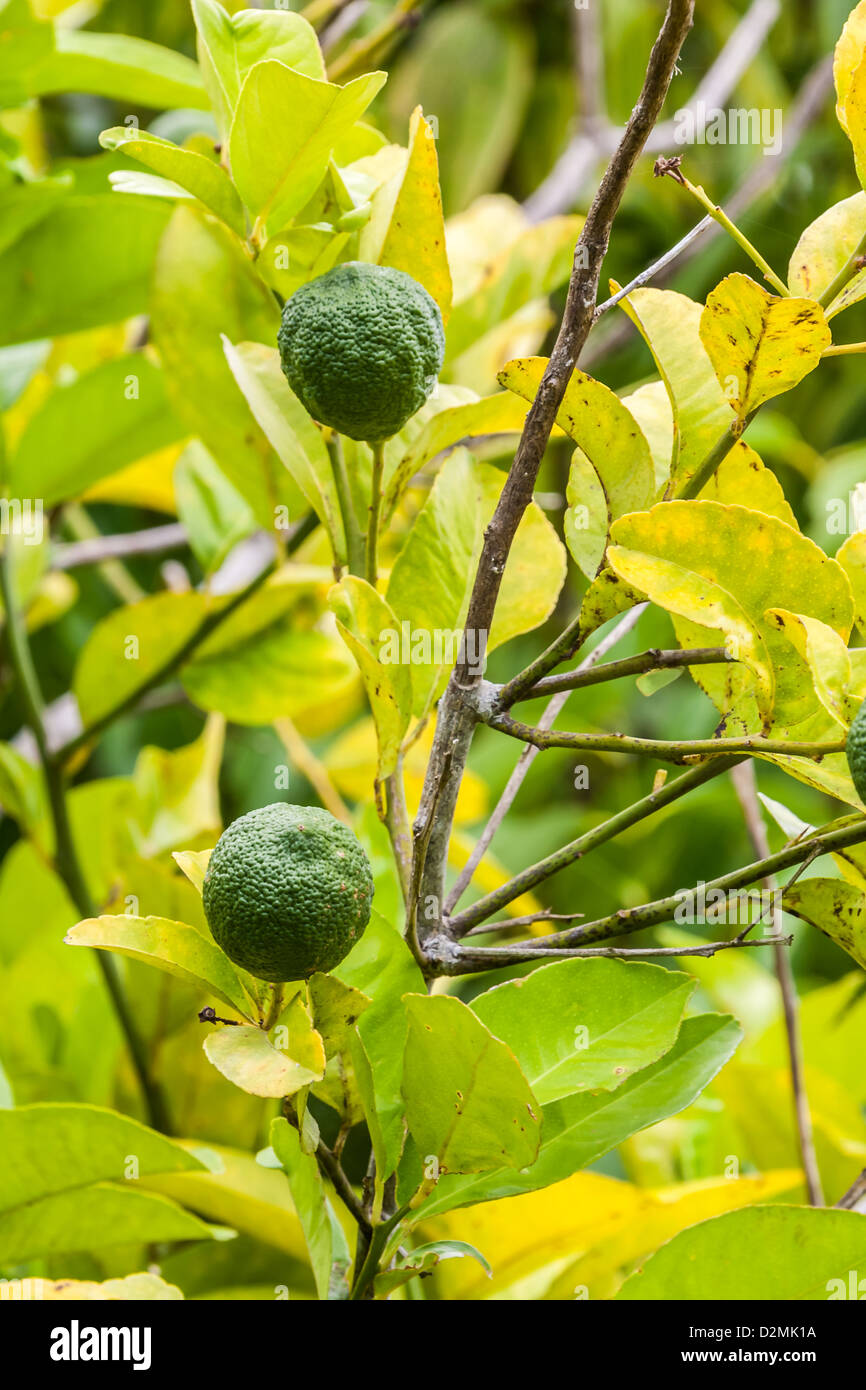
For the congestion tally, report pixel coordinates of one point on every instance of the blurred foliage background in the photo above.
(503, 82)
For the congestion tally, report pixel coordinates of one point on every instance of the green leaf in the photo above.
(423, 1259)
(836, 908)
(21, 789)
(237, 1191)
(580, 1025)
(760, 345)
(262, 664)
(198, 175)
(229, 45)
(825, 248)
(213, 512)
(578, 1130)
(826, 656)
(383, 968)
(129, 645)
(69, 1180)
(297, 442)
(796, 1253)
(90, 1218)
(498, 414)
(405, 229)
(612, 470)
(276, 178)
(55, 1147)
(311, 1202)
(107, 418)
(87, 263)
(431, 578)
(170, 946)
(363, 619)
(25, 204)
(336, 1008)
(178, 792)
(119, 66)
(247, 1058)
(204, 286)
(468, 1104)
(670, 325)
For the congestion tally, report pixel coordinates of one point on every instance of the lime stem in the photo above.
(372, 564)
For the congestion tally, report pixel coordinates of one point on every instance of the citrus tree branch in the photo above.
(560, 859)
(666, 750)
(456, 717)
(632, 919)
(467, 960)
(552, 709)
(653, 660)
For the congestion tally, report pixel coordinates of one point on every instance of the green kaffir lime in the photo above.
(855, 751)
(361, 348)
(287, 892)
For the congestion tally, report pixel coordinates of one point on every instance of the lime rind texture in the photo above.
(288, 892)
(361, 347)
(855, 752)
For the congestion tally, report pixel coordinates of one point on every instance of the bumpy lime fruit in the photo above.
(361, 348)
(287, 892)
(855, 751)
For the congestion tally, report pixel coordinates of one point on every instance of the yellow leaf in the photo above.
(826, 656)
(586, 1231)
(406, 229)
(851, 555)
(759, 344)
(149, 483)
(742, 477)
(847, 58)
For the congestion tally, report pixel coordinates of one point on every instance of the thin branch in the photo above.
(530, 918)
(371, 49)
(468, 960)
(762, 176)
(563, 187)
(745, 786)
(666, 750)
(855, 1198)
(154, 541)
(653, 660)
(553, 708)
(456, 719)
(560, 859)
(632, 919)
(722, 78)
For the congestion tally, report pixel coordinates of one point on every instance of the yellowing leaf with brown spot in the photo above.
(611, 471)
(826, 656)
(722, 567)
(847, 57)
(406, 229)
(760, 345)
(851, 555)
(825, 248)
(743, 478)
(670, 323)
